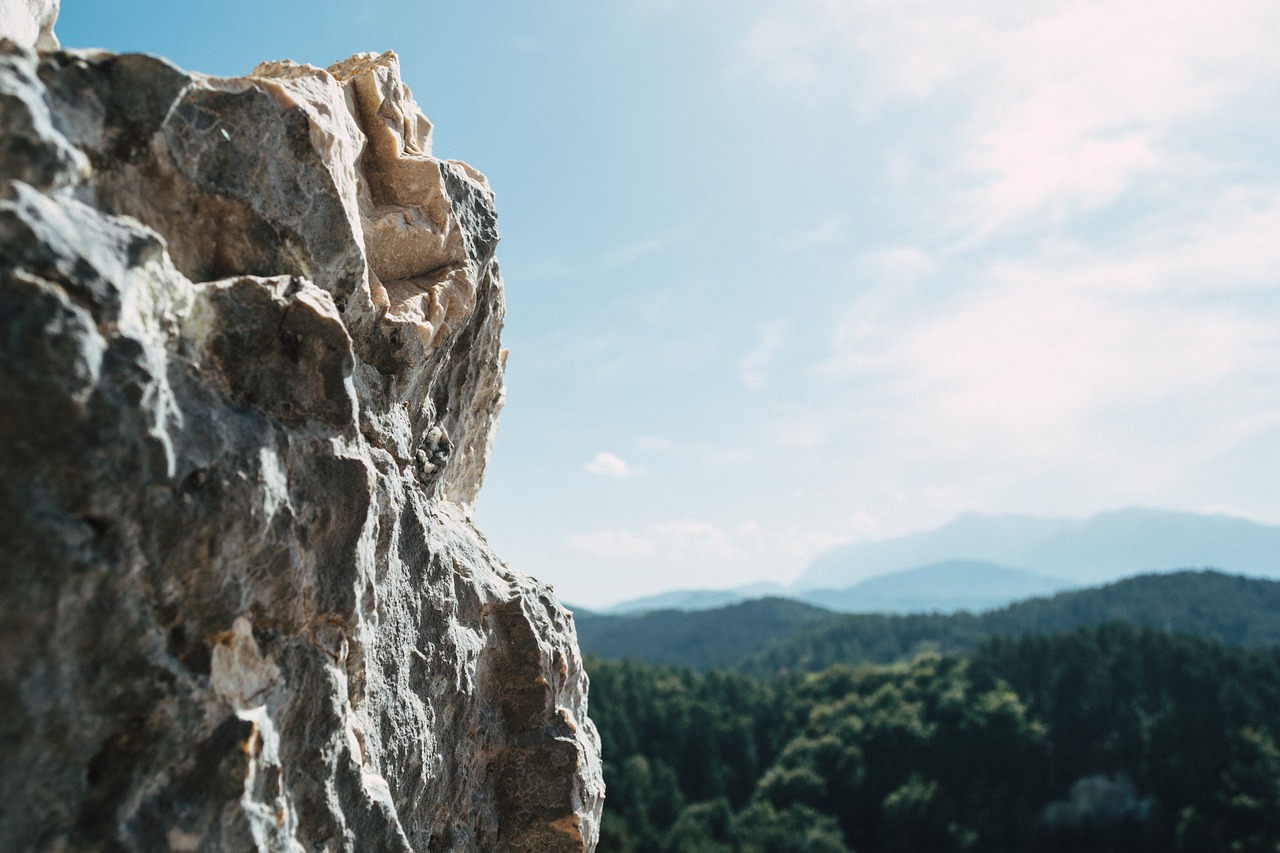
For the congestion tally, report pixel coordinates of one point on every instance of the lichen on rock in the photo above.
(250, 373)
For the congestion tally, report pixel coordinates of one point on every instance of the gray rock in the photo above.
(249, 377)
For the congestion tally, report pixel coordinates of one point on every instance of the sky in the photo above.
(790, 274)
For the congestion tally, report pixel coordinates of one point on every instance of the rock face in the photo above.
(249, 376)
(29, 23)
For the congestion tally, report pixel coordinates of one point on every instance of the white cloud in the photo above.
(1090, 97)
(688, 540)
(680, 541)
(1040, 372)
(1085, 293)
(1068, 367)
(802, 546)
(608, 465)
(862, 525)
(1049, 109)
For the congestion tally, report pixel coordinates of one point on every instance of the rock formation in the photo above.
(249, 376)
(29, 23)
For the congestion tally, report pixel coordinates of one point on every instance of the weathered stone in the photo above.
(29, 23)
(249, 377)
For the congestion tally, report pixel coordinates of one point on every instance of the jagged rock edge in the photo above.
(348, 385)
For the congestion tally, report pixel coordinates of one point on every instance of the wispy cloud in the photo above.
(631, 252)
(1122, 366)
(1081, 294)
(613, 544)
(680, 541)
(649, 245)
(1095, 95)
(619, 256)
(1067, 104)
(608, 465)
(705, 544)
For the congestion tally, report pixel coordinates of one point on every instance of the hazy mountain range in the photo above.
(979, 562)
(770, 635)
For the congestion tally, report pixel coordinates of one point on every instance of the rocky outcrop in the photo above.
(29, 23)
(249, 377)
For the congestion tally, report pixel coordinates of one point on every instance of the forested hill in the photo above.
(1236, 610)
(1233, 609)
(768, 636)
(703, 639)
(1101, 740)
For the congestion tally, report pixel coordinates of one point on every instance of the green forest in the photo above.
(1107, 737)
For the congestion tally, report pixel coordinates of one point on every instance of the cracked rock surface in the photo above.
(249, 377)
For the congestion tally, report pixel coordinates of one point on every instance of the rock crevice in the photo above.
(250, 373)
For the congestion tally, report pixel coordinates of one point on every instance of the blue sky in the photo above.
(783, 275)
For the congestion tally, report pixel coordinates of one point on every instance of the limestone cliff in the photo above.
(249, 376)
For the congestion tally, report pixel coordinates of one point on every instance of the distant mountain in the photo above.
(979, 562)
(706, 639)
(771, 635)
(1093, 550)
(696, 599)
(937, 588)
(680, 599)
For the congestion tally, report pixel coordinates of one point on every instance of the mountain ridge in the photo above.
(944, 587)
(767, 636)
(1101, 548)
